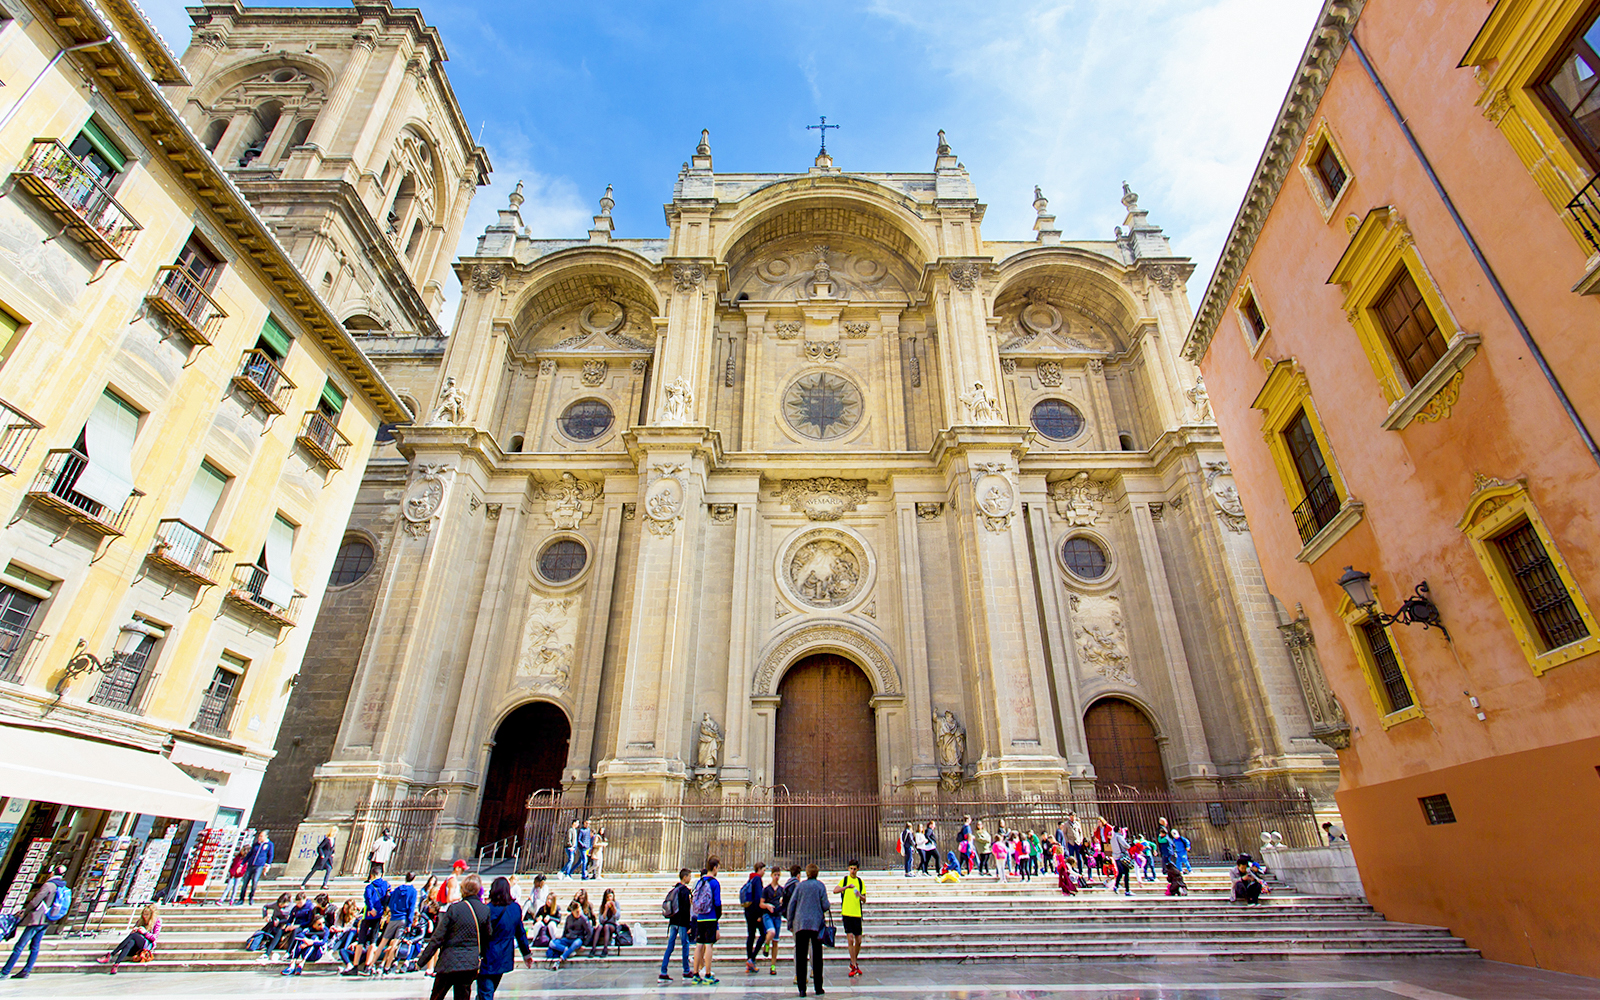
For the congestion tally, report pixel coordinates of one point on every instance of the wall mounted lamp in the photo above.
(1418, 609)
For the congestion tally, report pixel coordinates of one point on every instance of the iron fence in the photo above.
(1319, 508)
(410, 821)
(650, 835)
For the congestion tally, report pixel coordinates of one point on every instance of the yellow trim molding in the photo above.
(1320, 137)
(1285, 393)
(1248, 288)
(1495, 506)
(1354, 617)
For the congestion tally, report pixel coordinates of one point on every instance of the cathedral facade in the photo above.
(822, 492)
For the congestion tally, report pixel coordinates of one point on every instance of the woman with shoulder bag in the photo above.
(459, 940)
(139, 940)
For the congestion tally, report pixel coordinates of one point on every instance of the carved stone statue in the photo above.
(950, 739)
(710, 750)
(675, 408)
(982, 408)
(1201, 400)
(452, 403)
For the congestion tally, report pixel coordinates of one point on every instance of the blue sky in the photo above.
(1174, 96)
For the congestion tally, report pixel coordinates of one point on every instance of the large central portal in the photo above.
(826, 757)
(530, 750)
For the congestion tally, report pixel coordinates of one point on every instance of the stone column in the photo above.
(737, 770)
(755, 335)
(325, 133)
(922, 767)
(1057, 634)
(586, 669)
(228, 147)
(889, 351)
(443, 249)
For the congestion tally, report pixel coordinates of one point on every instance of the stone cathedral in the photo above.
(824, 491)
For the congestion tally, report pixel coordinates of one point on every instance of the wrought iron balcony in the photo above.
(183, 301)
(323, 439)
(17, 431)
(215, 715)
(75, 195)
(260, 378)
(1585, 209)
(1318, 508)
(53, 490)
(248, 579)
(188, 552)
(17, 646)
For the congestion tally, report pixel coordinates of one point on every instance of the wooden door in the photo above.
(1123, 747)
(530, 752)
(826, 738)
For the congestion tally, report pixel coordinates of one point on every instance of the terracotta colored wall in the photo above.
(1416, 482)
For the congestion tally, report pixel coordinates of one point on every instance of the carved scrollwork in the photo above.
(687, 277)
(965, 275)
(486, 276)
(594, 372)
(1048, 373)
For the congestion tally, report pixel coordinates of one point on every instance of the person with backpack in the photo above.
(750, 902)
(675, 907)
(705, 909)
(853, 893)
(376, 898)
(402, 912)
(49, 903)
(908, 843)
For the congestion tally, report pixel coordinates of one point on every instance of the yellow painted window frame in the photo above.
(1380, 247)
(1248, 290)
(1285, 393)
(1354, 617)
(1322, 136)
(1511, 51)
(1495, 506)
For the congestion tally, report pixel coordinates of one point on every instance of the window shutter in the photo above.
(276, 337)
(107, 477)
(333, 397)
(204, 495)
(279, 585)
(9, 325)
(104, 146)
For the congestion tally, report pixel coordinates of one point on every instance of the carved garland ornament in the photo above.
(1048, 373)
(824, 498)
(965, 276)
(663, 500)
(687, 277)
(594, 372)
(486, 276)
(423, 498)
(1438, 408)
(885, 679)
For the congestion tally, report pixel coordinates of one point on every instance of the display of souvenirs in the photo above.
(27, 875)
(150, 865)
(207, 857)
(99, 879)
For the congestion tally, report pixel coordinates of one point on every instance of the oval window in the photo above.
(1084, 557)
(352, 563)
(1057, 419)
(562, 560)
(586, 420)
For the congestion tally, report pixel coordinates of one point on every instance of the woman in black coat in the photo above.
(460, 938)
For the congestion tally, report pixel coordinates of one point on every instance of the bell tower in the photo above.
(340, 126)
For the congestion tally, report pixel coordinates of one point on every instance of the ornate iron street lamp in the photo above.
(1418, 609)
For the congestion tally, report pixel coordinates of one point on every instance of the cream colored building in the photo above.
(185, 423)
(750, 505)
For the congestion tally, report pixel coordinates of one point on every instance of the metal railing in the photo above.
(650, 835)
(215, 714)
(1585, 209)
(248, 580)
(17, 431)
(260, 378)
(183, 300)
(498, 852)
(187, 550)
(78, 198)
(412, 822)
(123, 679)
(1317, 509)
(16, 648)
(322, 437)
(53, 488)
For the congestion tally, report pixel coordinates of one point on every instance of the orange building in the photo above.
(1402, 346)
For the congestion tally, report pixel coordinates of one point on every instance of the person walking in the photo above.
(585, 845)
(459, 940)
(982, 842)
(256, 862)
(376, 899)
(964, 845)
(378, 857)
(852, 892)
(1120, 858)
(772, 908)
(597, 852)
(933, 850)
(705, 908)
(1180, 852)
(676, 909)
(324, 860)
(402, 911)
(908, 843)
(750, 903)
(232, 892)
(505, 930)
(140, 939)
(919, 840)
(48, 904)
(572, 851)
(808, 912)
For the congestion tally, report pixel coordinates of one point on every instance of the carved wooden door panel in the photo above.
(1123, 747)
(826, 738)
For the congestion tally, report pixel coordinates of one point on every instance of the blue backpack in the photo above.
(61, 904)
(750, 892)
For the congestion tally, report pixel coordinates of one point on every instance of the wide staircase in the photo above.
(908, 920)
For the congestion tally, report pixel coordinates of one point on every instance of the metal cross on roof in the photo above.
(823, 128)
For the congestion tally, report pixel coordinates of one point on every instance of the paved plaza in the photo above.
(1366, 979)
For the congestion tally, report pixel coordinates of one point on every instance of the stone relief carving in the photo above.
(640, 366)
(965, 276)
(549, 636)
(823, 351)
(855, 329)
(1040, 319)
(824, 498)
(1008, 366)
(1200, 399)
(687, 277)
(1101, 637)
(1079, 499)
(1096, 366)
(492, 511)
(820, 272)
(547, 368)
(1439, 406)
(675, 409)
(630, 511)
(825, 572)
(786, 331)
(996, 501)
(451, 409)
(950, 742)
(870, 609)
(1158, 509)
(486, 276)
(594, 372)
(780, 609)
(663, 500)
(569, 500)
(1328, 722)
(423, 498)
(1048, 373)
(723, 513)
(982, 408)
(729, 371)
(929, 511)
(885, 680)
(916, 372)
(1225, 498)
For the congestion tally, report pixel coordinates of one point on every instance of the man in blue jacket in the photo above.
(402, 911)
(256, 862)
(585, 842)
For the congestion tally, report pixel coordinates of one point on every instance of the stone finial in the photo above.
(516, 198)
(944, 147)
(1040, 202)
(1045, 224)
(607, 203)
(603, 224)
(704, 149)
(1130, 201)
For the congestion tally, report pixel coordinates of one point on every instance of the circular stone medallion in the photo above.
(825, 572)
(994, 495)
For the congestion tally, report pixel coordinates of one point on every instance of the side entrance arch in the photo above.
(530, 752)
(1123, 746)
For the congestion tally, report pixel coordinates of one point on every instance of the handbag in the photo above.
(826, 934)
(623, 936)
(541, 938)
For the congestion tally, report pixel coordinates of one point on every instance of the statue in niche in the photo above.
(452, 407)
(950, 744)
(710, 750)
(981, 406)
(1201, 399)
(675, 408)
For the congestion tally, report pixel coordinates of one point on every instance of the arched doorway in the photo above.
(826, 745)
(530, 752)
(1123, 747)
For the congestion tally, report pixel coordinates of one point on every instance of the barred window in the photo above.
(1540, 587)
(1391, 679)
(352, 563)
(1436, 809)
(562, 560)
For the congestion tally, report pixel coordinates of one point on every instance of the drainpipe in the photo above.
(11, 112)
(1472, 244)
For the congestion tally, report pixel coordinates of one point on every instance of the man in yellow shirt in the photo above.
(854, 892)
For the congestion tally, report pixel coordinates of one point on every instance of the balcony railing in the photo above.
(326, 443)
(16, 648)
(189, 552)
(75, 195)
(53, 489)
(183, 301)
(122, 680)
(1585, 209)
(260, 378)
(17, 431)
(1318, 508)
(215, 715)
(248, 579)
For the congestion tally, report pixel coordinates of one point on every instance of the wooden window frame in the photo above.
(1253, 335)
(1354, 620)
(1379, 248)
(1494, 507)
(1322, 138)
(1286, 393)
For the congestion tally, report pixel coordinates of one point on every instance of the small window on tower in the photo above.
(1255, 324)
